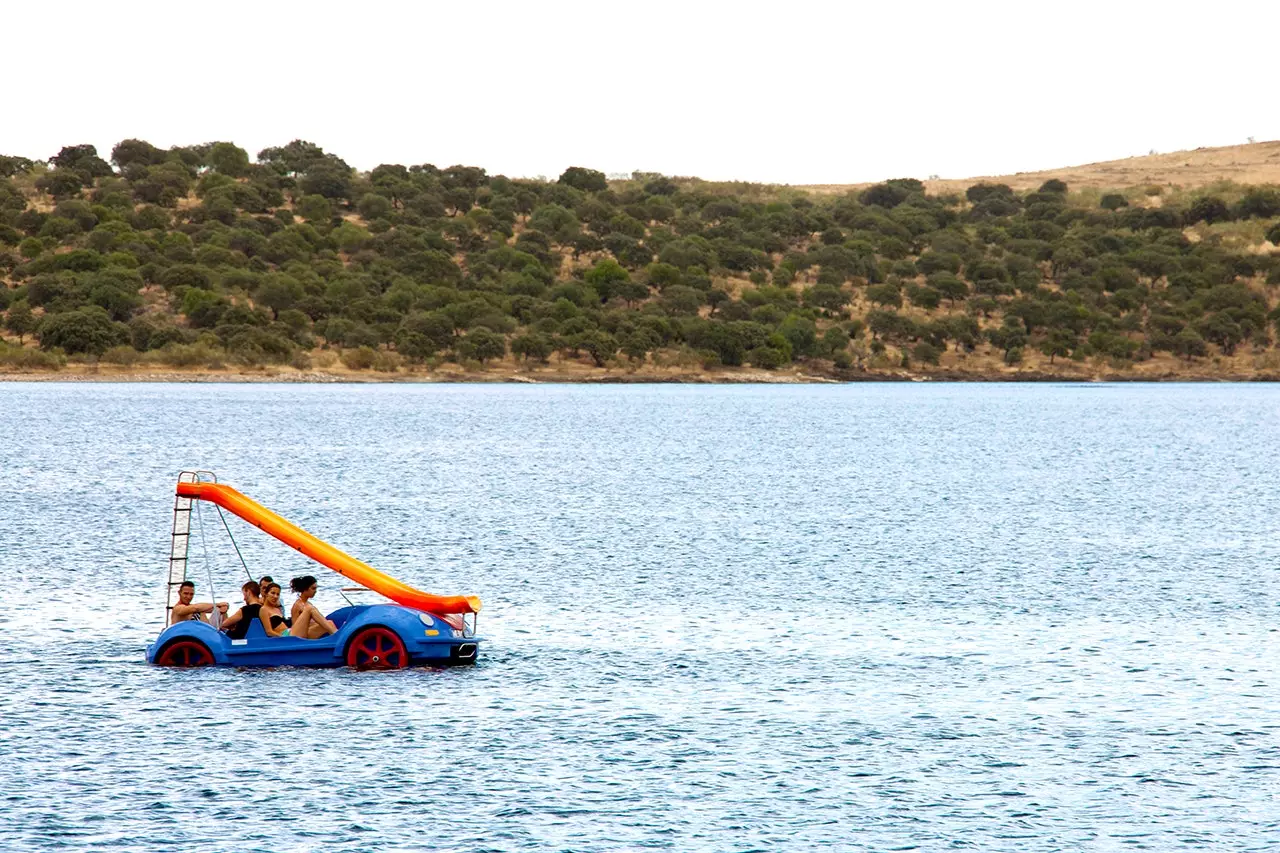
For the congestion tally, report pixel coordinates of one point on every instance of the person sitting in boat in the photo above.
(270, 614)
(308, 622)
(186, 609)
(237, 624)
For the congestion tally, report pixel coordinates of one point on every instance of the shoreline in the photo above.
(738, 376)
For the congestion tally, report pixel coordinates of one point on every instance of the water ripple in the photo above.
(1032, 618)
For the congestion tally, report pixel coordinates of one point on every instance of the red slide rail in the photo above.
(324, 553)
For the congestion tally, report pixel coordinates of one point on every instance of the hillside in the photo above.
(1254, 163)
(202, 260)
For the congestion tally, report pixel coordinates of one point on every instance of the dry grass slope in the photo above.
(1255, 163)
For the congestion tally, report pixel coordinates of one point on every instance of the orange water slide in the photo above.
(324, 553)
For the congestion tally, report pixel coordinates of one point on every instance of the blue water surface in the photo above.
(773, 618)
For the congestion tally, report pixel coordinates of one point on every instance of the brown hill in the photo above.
(1255, 163)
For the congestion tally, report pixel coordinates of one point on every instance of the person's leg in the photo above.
(302, 624)
(317, 625)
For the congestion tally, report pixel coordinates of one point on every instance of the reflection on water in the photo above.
(724, 619)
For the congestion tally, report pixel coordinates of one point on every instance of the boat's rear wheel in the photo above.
(185, 653)
(377, 648)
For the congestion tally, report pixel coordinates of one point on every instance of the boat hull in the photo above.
(428, 640)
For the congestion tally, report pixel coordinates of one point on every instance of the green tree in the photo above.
(86, 330)
(278, 292)
(887, 295)
(554, 219)
(31, 247)
(532, 346)
(202, 308)
(1189, 344)
(586, 180)
(605, 276)
(1208, 208)
(1221, 329)
(662, 275)
(315, 209)
(10, 166)
(732, 340)
(927, 298)
(292, 159)
(329, 177)
(661, 185)
(829, 298)
(482, 345)
(927, 353)
(891, 193)
(350, 237)
(681, 300)
(135, 152)
(801, 335)
(83, 159)
(633, 291)
(188, 275)
(601, 346)
(1262, 202)
(373, 206)
(19, 320)
(423, 334)
(834, 340)
(979, 193)
(164, 184)
(120, 302)
(768, 358)
(638, 344)
(951, 287)
(228, 159)
(61, 183)
(1059, 342)
(890, 325)
(1113, 201)
(1008, 337)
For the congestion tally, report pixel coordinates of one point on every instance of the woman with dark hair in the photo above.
(237, 624)
(270, 614)
(308, 622)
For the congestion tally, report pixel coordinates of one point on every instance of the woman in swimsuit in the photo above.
(308, 622)
(270, 614)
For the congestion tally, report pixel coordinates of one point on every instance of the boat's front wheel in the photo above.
(377, 648)
(185, 653)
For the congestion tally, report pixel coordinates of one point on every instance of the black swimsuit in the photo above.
(276, 621)
(247, 614)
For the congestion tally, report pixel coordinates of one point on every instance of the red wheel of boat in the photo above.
(377, 648)
(186, 653)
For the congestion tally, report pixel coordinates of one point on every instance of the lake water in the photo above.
(769, 618)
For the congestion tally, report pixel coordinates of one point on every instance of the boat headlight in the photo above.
(426, 620)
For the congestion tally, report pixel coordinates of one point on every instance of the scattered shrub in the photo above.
(361, 358)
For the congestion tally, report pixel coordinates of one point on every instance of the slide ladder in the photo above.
(179, 545)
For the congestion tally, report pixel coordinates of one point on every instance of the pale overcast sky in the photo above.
(791, 92)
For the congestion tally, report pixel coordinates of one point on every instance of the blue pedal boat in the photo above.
(414, 628)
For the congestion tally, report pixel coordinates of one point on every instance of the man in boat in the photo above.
(185, 609)
(237, 624)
